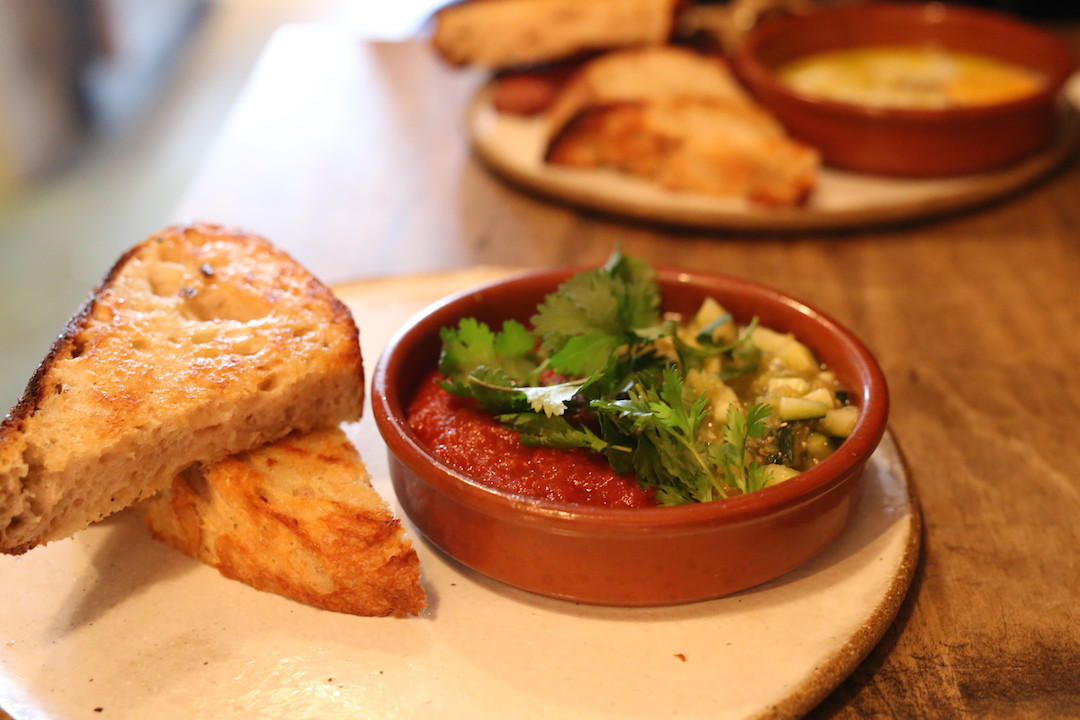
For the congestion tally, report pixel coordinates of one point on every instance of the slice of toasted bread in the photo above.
(498, 34)
(645, 74)
(691, 144)
(298, 518)
(199, 343)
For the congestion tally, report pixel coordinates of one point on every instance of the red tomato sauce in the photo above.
(468, 439)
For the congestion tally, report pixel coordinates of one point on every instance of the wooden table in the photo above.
(353, 156)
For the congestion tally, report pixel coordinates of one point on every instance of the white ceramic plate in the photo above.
(113, 620)
(513, 147)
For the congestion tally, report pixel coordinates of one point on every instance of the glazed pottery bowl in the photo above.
(910, 142)
(627, 557)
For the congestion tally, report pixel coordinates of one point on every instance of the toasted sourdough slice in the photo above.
(691, 144)
(644, 74)
(498, 34)
(298, 518)
(199, 343)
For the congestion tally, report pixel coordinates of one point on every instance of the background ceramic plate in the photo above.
(112, 619)
(513, 147)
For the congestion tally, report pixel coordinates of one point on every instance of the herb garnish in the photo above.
(591, 374)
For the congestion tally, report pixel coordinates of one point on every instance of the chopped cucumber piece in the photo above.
(711, 317)
(821, 395)
(818, 446)
(801, 409)
(788, 386)
(771, 341)
(776, 474)
(840, 422)
(719, 393)
(709, 312)
(799, 358)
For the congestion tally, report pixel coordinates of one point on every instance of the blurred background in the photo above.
(107, 108)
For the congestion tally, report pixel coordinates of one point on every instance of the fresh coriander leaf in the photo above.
(620, 444)
(620, 300)
(624, 371)
(674, 495)
(757, 420)
(652, 333)
(514, 346)
(473, 344)
(464, 349)
(552, 431)
(738, 357)
(584, 354)
(735, 426)
(744, 338)
(498, 394)
(552, 399)
(673, 410)
(664, 425)
(640, 303)
(491, 387)
(731, 456)
(624, 423)
(755, 477)
(745, 358)
(586, 303)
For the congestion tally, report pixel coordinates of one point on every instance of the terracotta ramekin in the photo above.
(644, 557)
(900, 142)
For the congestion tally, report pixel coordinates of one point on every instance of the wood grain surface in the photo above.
(353, 156)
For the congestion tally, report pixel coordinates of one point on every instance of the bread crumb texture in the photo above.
(681, 120)
(298, 518)
(507, 33)
(201, 342)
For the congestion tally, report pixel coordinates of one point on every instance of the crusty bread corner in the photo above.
(681, 120)
(199, 343)
(498, 34)
(691, 144)
(644, 74)
(298, 518)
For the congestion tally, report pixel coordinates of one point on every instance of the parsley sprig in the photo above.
(590, 375)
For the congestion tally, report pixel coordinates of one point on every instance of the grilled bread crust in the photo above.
(200, 342)
(645, 74)
(298, 518)
(681, 120)
(499, 34)
(691, 145)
